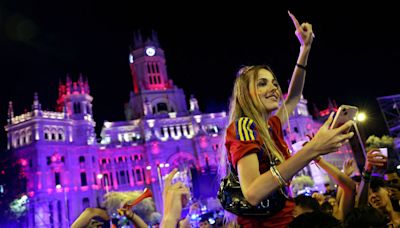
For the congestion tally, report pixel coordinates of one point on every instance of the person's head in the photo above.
(365, 217)
(378, 196)
(328, 187)
(204, 223)
(315, 220)
(319, 197)
(305, 204)
(331, 200)
(327, 208)
(256, 94)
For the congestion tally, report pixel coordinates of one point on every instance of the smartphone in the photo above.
(344, 114)
(384, 151)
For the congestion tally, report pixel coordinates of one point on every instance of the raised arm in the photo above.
(374, 158)
(305, 35)
(346, 202)
(256, 186)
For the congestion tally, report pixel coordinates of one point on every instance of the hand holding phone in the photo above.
(344, 114)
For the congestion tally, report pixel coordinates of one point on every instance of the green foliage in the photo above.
(300, 182)
(376, 142)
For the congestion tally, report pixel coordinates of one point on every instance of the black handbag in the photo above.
(231, 198)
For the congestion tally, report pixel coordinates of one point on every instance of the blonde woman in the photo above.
(254, 134)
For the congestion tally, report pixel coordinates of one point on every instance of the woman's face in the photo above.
(267, 90)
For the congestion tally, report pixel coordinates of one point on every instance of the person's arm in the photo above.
(256, 186)
(374, 158)
(174, 198)
(346, 202)
(305, 35)
(84, 218)
(135, 219)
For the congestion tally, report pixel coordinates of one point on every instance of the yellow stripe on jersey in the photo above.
(245, 130)
(251, 133)
(239, 126)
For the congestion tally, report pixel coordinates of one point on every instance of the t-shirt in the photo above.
(242, 139)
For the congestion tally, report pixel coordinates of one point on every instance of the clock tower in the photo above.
(153, 92)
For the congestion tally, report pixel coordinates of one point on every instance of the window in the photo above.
(48, 159)
(85, 203)
(138, 175)
(103, 161)
(62, 159)
(61, 135)
(296, 129)
(118, 181)
(77, 108)
(120, 159)
(105, 180)
(122, 177)
(57, 178)
(51, 214)
(162, 107)
(83, 179)
(127, 177)
(81, 159)
(95, 178)
(59, 213)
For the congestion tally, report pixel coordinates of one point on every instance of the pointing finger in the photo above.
(295, 21)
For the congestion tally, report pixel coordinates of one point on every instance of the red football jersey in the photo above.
(242, 139)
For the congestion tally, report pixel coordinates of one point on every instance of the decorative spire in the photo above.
(148, 111)
(10, 112)
(36, 105)
(137, 39)
(194, 105)
(154, 37)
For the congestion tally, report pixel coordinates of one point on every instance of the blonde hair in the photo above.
(242, 105)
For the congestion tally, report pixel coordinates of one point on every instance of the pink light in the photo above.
(53, 158)
(31, 193)
(155, 148)
(85, 188)
(49, 190)
(203, 142)
(148, 167)
(24, 162)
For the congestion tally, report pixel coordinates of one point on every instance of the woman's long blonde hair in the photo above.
(242, 105)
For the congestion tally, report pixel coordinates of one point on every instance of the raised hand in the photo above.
(175, 197)
(375, 158)
(348, 167)
(303, 32)
(330, 140)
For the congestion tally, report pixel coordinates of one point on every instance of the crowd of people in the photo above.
(256, 152)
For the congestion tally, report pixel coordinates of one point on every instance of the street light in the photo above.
(59, 187)
(100, 178)
(361, 117)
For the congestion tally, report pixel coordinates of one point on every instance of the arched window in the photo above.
(162, 107)
(61, 135)
(81, 159)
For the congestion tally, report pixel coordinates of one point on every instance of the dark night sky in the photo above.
(354, 58)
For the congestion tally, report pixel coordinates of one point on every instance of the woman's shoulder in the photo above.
(243, 128)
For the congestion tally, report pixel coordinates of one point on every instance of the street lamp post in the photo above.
(65, 202)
